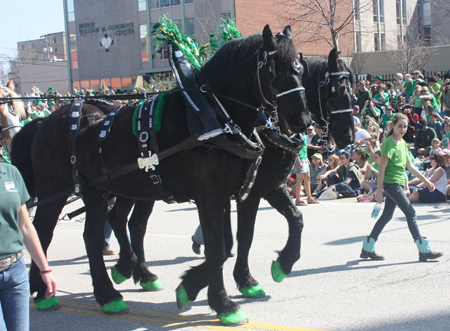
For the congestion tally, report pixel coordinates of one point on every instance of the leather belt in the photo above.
(9, 261)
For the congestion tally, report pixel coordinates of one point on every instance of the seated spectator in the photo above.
(426, 95)
(445, 89)
(372, 145)
(360, 134)
(435, 89)
(350, 178)
(372, 127)
(446, 155)
(416, 100)
(317, 142)
(370, 178)
(386, 116)
(333, 163)
(435, 146)
(382, 98)
(390, 90)
(386, 130)
(360, 157)
(446, 137)
(413, 119)
(435, 125)
(437, 176)
(356, 114)
(315, 169)
(424, 136)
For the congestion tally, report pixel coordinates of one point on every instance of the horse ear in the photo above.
(287, 31)
(332, 58)
(11, 85)
(269, 40)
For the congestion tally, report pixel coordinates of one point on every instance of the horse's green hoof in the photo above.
(45, 304)
(117, 276)
(182, 297)
(152, 285)
(278, 274)
(233, 318)
(253, 291)
(116, 307)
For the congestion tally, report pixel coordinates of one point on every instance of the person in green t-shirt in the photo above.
(446, 137)
(386, 117)
(391, 177)
(302, 175)
(409, 86)
(17, 233)
(435, 90)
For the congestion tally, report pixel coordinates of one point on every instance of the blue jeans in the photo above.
(395, 196)
(15, 298)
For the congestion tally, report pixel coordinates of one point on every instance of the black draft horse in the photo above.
(208, 176)
(329, 85)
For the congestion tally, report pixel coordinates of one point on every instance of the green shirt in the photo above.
(13, 194)
(377, 168)
(437, 88)
(409, 87)
(397, 154)
(385, 119)
(444, 140)
(303, 154)
(378, 98)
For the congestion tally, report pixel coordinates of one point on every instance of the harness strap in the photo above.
(104, 133)
(146, 137)
(74, 123)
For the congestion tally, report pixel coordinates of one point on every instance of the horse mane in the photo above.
(237, 56)
(18, 105)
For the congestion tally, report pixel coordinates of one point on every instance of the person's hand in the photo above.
(379, 196)
(430, 185)
(321, 177)
(51, 284)
(370, 167)
(420, 150)
(321, 148)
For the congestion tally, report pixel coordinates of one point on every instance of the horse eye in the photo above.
(296, 66)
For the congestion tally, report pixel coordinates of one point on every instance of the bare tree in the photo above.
(358, 61)
(326, 20)
(411, 53)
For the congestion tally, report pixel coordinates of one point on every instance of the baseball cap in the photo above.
(356, 107)
(317, 155)
(416, 72)
(378, 77)
(422, 123)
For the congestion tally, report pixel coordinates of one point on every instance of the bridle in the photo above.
(332, 80)
(268, 60)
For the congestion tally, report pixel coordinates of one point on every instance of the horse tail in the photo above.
(21, 153)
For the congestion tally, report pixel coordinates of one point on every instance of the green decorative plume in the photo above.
(167, 33)
(225, 33)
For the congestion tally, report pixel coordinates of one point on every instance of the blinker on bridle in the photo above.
(268, 60)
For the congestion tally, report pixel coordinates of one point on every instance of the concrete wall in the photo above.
(49, 74)
(93, 21)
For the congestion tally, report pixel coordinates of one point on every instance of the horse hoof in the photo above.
(117, 276)
(116, 307)
(278, 274)
(182, 297)
(152, 285)
(232, 318)
(253, 291)
(44, 304)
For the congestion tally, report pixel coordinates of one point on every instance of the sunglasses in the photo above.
(310, 130)
(388, 108)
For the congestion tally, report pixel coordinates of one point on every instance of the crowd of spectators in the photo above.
(426, 103)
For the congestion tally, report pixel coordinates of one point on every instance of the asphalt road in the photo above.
(330, 287)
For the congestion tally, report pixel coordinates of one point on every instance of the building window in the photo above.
(105, 84)
(56, 50)
(357, 10)
(358, 42)
(376, 44)
(115, 83)
(126, 83)
(145, 56)
(70, 11)
(378, 11)
(225, 16)
(73, 51)
(190, 27)
(401, 11)
(142, 5)
(383, 41)
(54, 40)
(188, 1)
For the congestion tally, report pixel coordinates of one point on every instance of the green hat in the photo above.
(378, 77)
(50, 90)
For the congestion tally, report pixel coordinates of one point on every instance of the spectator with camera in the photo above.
(445, 89)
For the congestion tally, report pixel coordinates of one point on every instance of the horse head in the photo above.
(12, 111)
(335, 95)
(279, 81)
